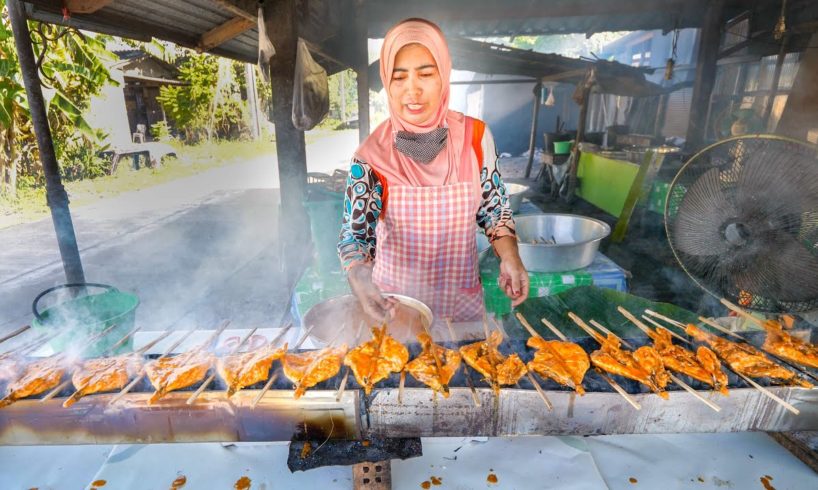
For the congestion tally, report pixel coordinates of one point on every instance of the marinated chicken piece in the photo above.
(103, 374)
(703, 365)
(307, 369)
(173, 373)
(37, 377)
(746, 359)
(564, 362)
(611, 358)
(248, 368)
(788, 347)
(376, 359)
(486, 359)
(435, 365)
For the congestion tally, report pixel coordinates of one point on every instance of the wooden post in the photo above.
(779, 65)
(361, 37)
(282, 23)
(802, 103)
(252, 100)
(56, 197)
(532, 141)
(709, 38)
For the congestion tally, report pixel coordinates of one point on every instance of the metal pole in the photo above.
(709, 37)
(532, 142)
(56, 196)
(361, 37)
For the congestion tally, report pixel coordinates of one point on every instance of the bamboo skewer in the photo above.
(742, 312)
(14, 333)
(400, 386)
(212, 376)
(469, 382)
(720, 328)
(274, 342)
(596, 336)
(750, 381)
(658, 326)
(343, 386)
(627, 314)
(30, 346)
(663, 317)
(531, 377)
(611, 334)
(142, 371)
(554, 329)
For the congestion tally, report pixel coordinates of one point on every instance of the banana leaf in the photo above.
(590, 302)
(73, 113)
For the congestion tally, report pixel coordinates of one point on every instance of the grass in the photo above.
(30, 203)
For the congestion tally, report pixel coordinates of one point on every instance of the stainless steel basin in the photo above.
(558, 242)
(515, 195)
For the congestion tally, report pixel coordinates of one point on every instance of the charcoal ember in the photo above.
(345, 453)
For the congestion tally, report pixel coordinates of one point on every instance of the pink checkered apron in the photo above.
(427, 248)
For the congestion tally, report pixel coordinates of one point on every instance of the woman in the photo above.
(416, 187)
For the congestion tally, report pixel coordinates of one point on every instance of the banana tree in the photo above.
(72, 68)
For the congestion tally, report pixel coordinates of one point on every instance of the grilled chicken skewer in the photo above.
(343, 386)
(167, 374)
(45, 374)
(246, 369)
(485, 358)
(703, 366)
(376, 359)
(643, 365)
(307, 369)
(435, 365)
(681, 360)
(564, 362)
(274, 376)
(107, 373)
(475, 398)
(739, 359)
(780, 343)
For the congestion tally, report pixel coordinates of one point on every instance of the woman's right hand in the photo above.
(369, 295)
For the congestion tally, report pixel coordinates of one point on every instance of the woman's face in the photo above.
(415, 88)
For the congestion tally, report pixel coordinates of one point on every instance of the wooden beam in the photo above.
(361, 37)
(709, 38)
(798, 116)
(236, 10)
(225, 32)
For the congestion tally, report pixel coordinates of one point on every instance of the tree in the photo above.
(72, 70)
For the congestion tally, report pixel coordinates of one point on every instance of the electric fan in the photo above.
(742, 219)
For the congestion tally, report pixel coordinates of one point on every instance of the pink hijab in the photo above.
(379, 151)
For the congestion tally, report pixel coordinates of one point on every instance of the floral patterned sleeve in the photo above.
(494, 215)
(362, 206)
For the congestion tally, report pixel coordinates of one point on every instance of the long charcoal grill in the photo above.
(516, 411)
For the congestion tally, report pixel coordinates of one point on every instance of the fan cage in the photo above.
(726, 156)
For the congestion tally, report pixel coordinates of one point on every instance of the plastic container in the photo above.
(87, 315)
(562, 147)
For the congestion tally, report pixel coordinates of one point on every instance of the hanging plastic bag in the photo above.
(266, 50)
(310, 90)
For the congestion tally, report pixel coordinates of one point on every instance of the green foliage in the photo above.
(81, 160)
(209, 104)
(72, 70)
(161, 131)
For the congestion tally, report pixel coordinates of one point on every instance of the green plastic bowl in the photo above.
(88, 315)
(562, 147)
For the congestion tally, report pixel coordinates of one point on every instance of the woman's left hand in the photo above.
(513, 279)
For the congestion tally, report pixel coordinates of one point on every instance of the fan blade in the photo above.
(773, 181)
(697, 228)
(779, 267)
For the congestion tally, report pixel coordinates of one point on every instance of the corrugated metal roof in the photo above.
(327, 21)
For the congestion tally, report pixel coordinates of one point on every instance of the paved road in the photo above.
(194, 250)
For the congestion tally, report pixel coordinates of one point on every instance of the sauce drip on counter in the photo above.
(436, 481)
(178, 483)
(98, 483)
(633, 480)
(765, 480)
(426, 485)
(492, 478)
(242, 483)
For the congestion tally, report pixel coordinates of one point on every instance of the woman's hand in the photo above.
(369, 295)
(513, 278)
